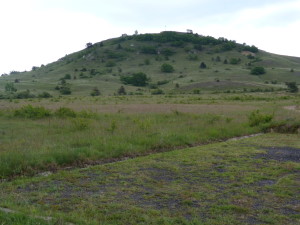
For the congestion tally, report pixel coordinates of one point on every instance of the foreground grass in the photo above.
(31, 145)
(234, 182)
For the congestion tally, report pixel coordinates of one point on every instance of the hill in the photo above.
(192, 64)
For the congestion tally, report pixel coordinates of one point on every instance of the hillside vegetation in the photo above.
(168, 62)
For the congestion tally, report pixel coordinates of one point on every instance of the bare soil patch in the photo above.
(281, 154)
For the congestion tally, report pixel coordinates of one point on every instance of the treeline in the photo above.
(177, 39)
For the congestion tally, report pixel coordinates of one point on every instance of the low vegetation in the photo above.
(250, 181)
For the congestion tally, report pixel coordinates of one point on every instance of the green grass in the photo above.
(78, 131)
(224, 183)
(30, 145)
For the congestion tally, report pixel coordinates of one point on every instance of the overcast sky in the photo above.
(35, 32)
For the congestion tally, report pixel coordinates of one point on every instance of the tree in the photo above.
(167, 68)
(121, 91)
(258, 70)
(136, 79)
(292, 87)
(203, 65)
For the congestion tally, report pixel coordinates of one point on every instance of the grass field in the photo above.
(131, 160)
(249, 181)
(88, 130)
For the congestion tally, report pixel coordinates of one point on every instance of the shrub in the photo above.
(24, 95)
(235, 61)
(65, 90)
(95, 92)
(167, 68)
(257, 118)
(258, 70)
(64, 112)
(45, 95)
(137, 79)
(67, 77)
(292, 87)
(147, 61)
(148, 50)
(167, 52)
(32, 112)
(203, 65)
(157, 92)
(121, 91)
(9, 87)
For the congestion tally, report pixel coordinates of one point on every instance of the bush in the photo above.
(203, 65)
(235, 61)
(167, 52)
(45, 95)
(24, 95)
(167, 68)
(29, 111)
(256, 118)
(67, 77)
(157, 92)
(148, 50)
(65, 90)
(9, 87)
(64, 112)
(121, 91)
(137, 79)
(258, 70)
(292, 87)
(95, 92)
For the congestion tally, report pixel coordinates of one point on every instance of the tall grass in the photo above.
(28, 145)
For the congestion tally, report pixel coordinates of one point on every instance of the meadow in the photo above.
(149, 159)
(41, 135)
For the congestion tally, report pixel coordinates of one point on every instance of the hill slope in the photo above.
(226, 67)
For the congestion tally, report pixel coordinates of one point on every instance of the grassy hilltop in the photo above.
(198, 63)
